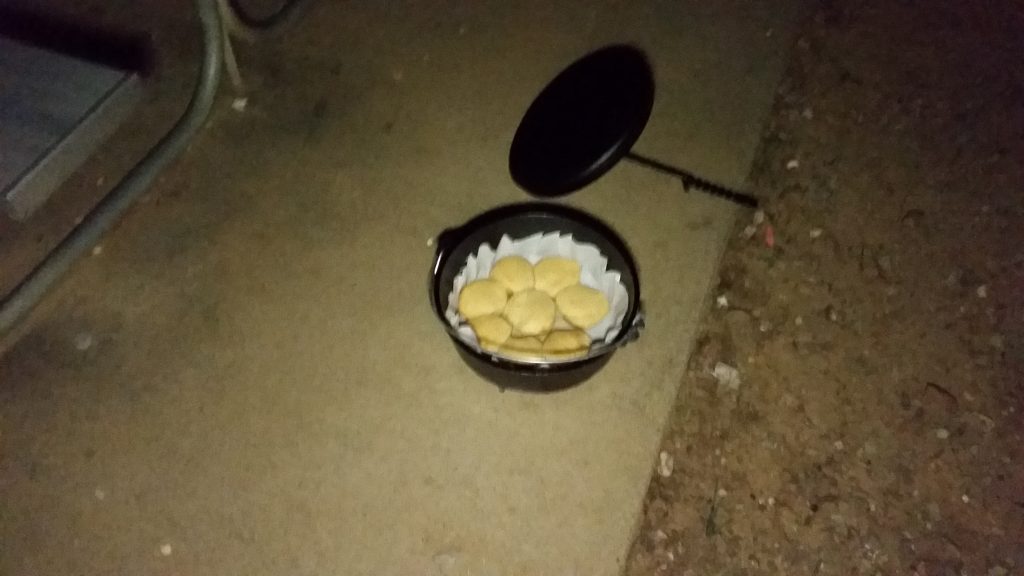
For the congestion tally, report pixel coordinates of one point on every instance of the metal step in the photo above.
(55, 110)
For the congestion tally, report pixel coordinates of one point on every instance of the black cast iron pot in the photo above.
(518, 221)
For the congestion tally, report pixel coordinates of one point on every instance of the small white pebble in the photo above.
(727, 376)
(838, 445)
(815, 232)
(982, 291)
(799, 320)
(871, 506)
(758, 217)
(97, 250)
(239, 104)
(771, 501)
(792, 164)
(100, 494)
(942, 433)
(965, 498)
(749, 231)
(722, 301)
(665, 464)
(83, 341)
(430, 242)
(722, 493)
(165, 549)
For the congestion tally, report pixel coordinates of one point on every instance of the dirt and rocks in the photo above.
(873, 313)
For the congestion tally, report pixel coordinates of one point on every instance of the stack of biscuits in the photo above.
(533, 312)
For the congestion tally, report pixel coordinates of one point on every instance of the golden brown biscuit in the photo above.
(563, 344)
(482, 297)
(525, 348)
(491, 331)
(531, 313)
(551, 275)
(515, 273)
(582, 306)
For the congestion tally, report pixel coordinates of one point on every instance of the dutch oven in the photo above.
(455, 245)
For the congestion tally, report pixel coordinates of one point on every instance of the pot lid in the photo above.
(583, 122)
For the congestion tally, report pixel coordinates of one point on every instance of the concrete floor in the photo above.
(267, 391)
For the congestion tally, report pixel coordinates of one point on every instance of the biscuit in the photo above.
(531, 313)
(482, 297)
(582, 306)
(491, 331)
(551, 275)
(515, 273)
(525, 348)
(564, 344)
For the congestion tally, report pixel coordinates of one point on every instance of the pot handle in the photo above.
(639, 323)
(442, 245)
(445, 240)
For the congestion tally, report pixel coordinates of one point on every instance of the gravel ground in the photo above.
(873, 313)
